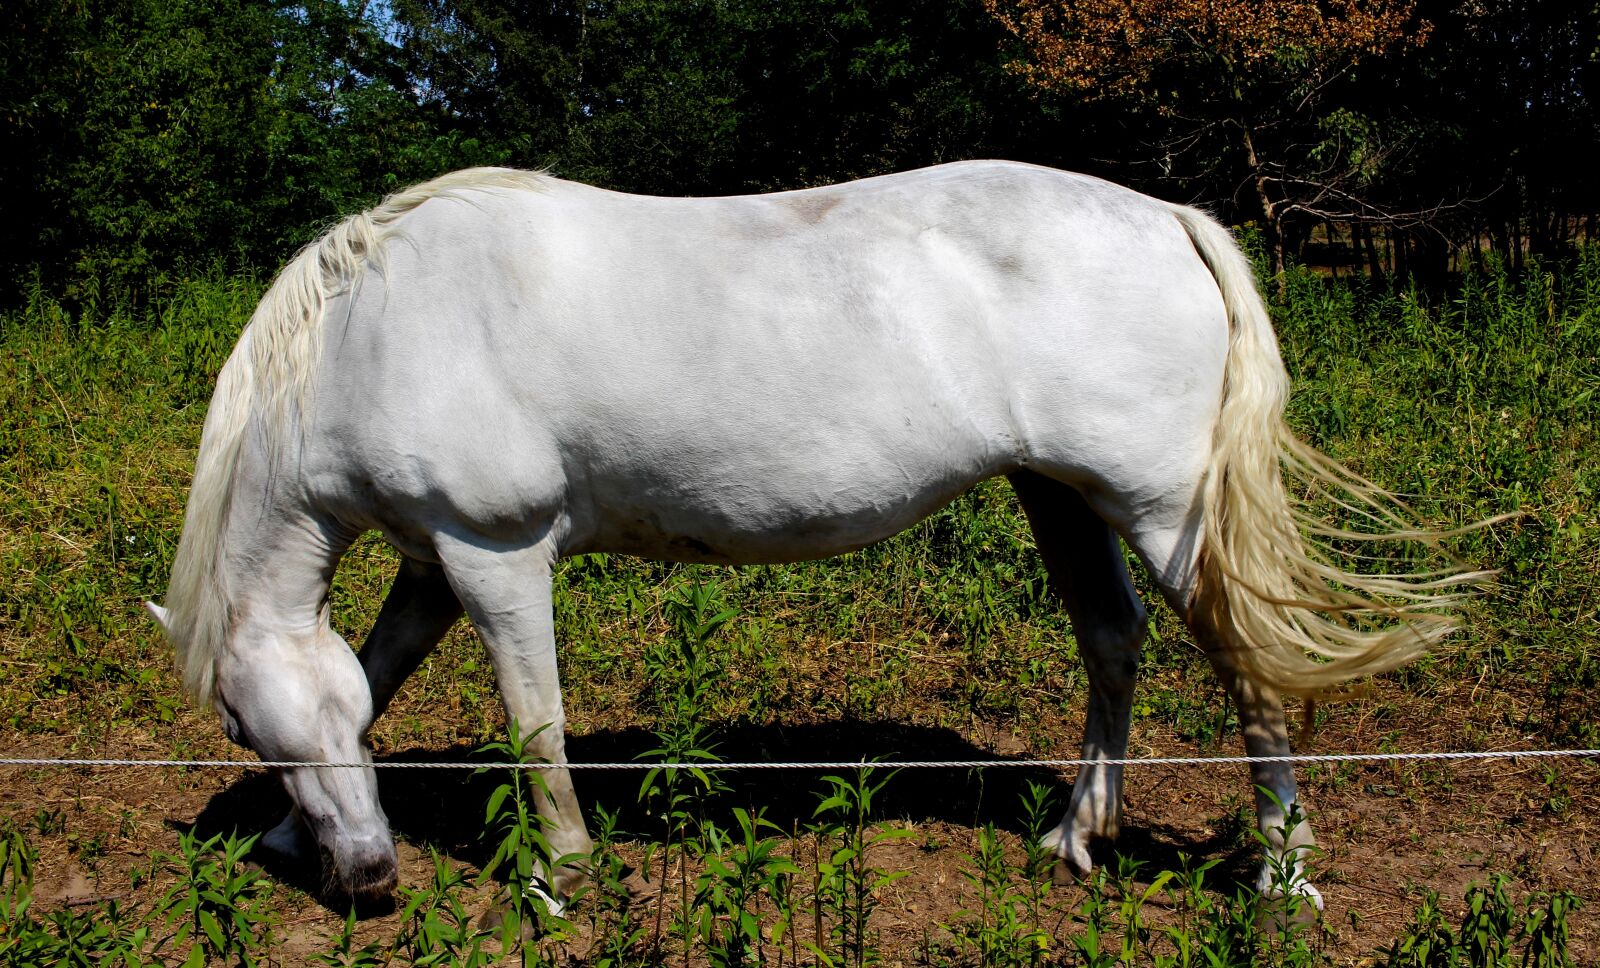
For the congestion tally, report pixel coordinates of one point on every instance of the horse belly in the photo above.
(767, 515)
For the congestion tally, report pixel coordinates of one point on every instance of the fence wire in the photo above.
(712, 764)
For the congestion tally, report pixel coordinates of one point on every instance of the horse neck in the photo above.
(281, 553)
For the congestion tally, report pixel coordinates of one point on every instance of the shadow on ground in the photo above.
(444, 809)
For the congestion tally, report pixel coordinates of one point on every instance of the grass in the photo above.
(1476, 404)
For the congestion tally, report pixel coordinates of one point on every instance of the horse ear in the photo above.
(160, 615)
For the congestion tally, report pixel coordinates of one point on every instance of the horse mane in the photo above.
(269, 375)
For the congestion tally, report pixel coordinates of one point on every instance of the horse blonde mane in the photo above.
(269, 376)
(1288, 615)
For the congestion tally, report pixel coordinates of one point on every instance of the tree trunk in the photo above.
(1270, 224)
(1364, 235)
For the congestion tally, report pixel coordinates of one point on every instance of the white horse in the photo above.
(498, 368)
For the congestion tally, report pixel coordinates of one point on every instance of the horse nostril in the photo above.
(371, 876)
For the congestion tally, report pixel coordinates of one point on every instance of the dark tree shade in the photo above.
(148, 137)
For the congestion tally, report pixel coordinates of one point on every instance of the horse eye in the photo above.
(231, 726)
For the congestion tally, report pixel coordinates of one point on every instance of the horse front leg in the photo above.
(507, 594)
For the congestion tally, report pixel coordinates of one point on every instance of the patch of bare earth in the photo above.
(1388, 832)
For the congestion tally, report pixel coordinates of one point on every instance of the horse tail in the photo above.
(268, 378)
(1267, 584)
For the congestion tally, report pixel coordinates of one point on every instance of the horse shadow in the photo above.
(443, 809)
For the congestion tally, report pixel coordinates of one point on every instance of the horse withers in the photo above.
(498, 368)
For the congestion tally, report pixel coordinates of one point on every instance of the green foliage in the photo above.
(436, 927)
(1491, 932)
(523, 857)
(217, 909)
(614, 923)
(345, 954)
(847, 885)
(741, 868)
(1475, 406)
(1004, 931)
(1008, 927)
(145, 129)
(679, 796)
(142, 140)
(743, 911)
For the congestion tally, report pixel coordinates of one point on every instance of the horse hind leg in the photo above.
(1166, 536)
(418, 611)
(1089, 574)
(1287, 834)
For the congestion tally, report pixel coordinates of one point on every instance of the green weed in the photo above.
(1493, 933)
(847, 885)
(522, 853)
(436, 927)
(742, 867)
(218, 908)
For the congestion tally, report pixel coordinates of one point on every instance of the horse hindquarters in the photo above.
(1146, 462)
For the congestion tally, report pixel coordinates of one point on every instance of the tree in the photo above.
(1511, 120)
(146, 137)
(1249, 89)
(138, 130)
(721, 96)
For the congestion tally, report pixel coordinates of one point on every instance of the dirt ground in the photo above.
(1389, 832)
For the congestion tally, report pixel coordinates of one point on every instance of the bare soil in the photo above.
(1389, 832)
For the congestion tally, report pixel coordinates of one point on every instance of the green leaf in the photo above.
(492, 812)
(213, 930)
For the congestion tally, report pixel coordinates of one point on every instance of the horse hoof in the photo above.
(640, 888)
(494, 916)
(1066, 874)
(291, 839)
(1073, 863)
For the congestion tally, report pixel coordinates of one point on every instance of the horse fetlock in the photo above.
(1279, 881)
(1070, 843)
(554, 901)
(560, 885)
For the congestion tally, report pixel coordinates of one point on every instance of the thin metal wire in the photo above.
(818, 765)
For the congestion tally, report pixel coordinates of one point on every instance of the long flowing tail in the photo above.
(1268, 584)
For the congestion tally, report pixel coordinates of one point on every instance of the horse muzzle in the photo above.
(367, 870)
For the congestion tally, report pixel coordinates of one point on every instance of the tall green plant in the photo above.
(616, 934)
(1494, 932)
(847, 884)
(678, 795)
(436, 929)
(523, 859)
(741, 868)
(217, 909)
